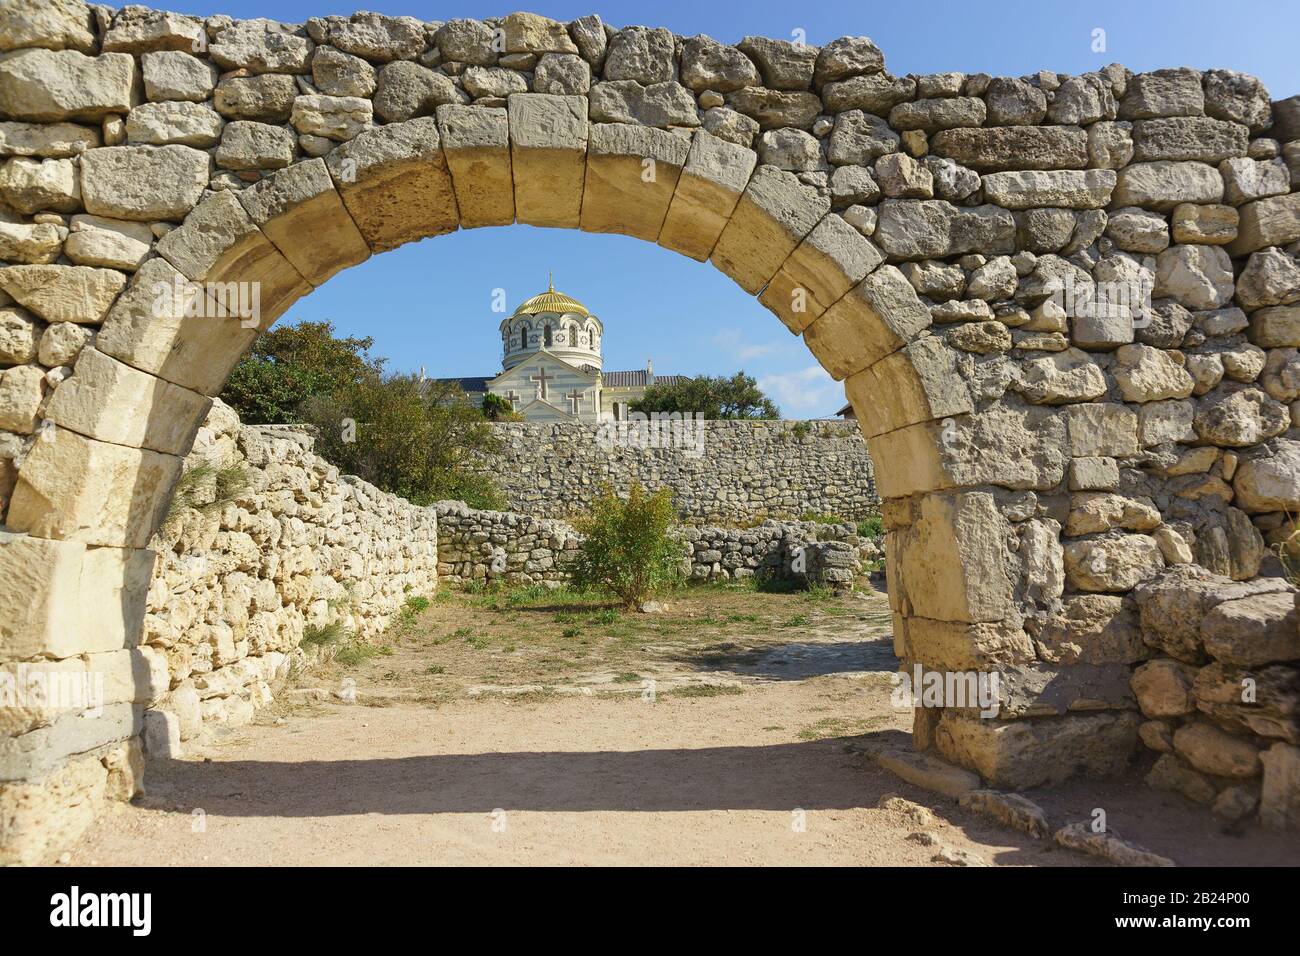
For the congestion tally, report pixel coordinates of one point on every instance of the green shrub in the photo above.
(322, 635)
(872, 527)
(207, 488)
(627, 549)
(818, 517)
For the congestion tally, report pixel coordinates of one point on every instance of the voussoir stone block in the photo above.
(632, 173)
(110, 401)
(79, 489)
(708, 190)
(476, 141)
(831, 260)
(774, 214)
(875, 318)
(166, 325)
(917, 383)
(301, 212)
(548, 150)
(394, 182)
(221, 247)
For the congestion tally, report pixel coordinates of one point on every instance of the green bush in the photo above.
(497, 409)
(628, 549)
(207, 488)
(872, 527)
(715, 397)
(410, 437)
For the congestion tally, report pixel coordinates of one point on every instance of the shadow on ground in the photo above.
(798, 660)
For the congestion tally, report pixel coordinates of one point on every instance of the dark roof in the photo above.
(638, 377)
(474, 383)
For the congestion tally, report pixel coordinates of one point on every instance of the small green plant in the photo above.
(818, 517)
(872, 527)
(323, 635)
(708, 690)
(207, 488)
(356, 652)
(417, 605)
(629, 677)
(801, 430)
(627, 547)
(434, 669)
(571, 632)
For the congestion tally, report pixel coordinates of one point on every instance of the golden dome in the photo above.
(551, 301)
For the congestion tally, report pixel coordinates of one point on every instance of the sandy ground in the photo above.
(764, 765)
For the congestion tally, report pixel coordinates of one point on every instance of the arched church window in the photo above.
(546, 335)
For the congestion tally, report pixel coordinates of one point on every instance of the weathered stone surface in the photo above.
(1020, 754)
(190, 124)
(143, 182)
(830, 260)
(930, 229)
(336, 73)
(1245, 180)
(176, 75)
(35, 244)
(1073, 189)
(249, 46)
(845, 57)
(1062, 378)
(708, 190)
(378, 38)
(45, 86)
(58, 293)
(493, 82)
(1081, 100)
(112, 243)
(548, 142)
(639, 53)
(268, 98)
(109, 401)
(1239, 418)
(1145, 374)
(1014, 147)
(709, 65)
(1210, 225)
(617, 197)
(61, 343)
(1238, 98)
(138, 29)
(405, 90)
(1251, 631)
(46, 140)
(1212, 751)
(32, 185)
(773, 215)
(664, 105)
(1112, 564)
(1267, 222)
(1196, 276)
(466, 41)
(564, 74)
(530, 33)
(338, 118)
(1276, 327)
(476, 142)
(1279, 801)
(858, 138)
(784, 65)
(1109, 846)
(74, 488)
(248, 145)
(1110, 145)
(1270, 482)
(775, 108)
(1188, 138)
(1163, 185)
(21, 394)
(1174, 92)
(395, 184)
(52, 25)
(1164, 688)
(877, 93)
(300, 211)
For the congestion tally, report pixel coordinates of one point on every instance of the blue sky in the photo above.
(429, 304)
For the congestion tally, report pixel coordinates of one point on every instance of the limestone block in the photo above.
(59, 293)
(548, 148)
(1164, 184)
(54, 596)
(300, 211)
(144, 183)
(1251, 631)
(110, 401)
(395, 184)
(1267, 222)
(1019, 754)
(929, 229)
(45, 86)
(177, 75)
(36, 244)
(1277, 327)
(1003, 148)
(189, 124)
(476, 141)
(338, 118)
(1112, 564)
(874, 319)
(377, 37)
(1068, 188)
(708, 190)
(46, 814)
(774, 214)
(110, 243)
(75, 488)
(1279, 801)
(830, 261)
(1102, 430)
(917, 383)
(32, 185)
(632, 173)
(46, 140)
(21, 393)
(1270, 482)
(220, 246)
(186, 339)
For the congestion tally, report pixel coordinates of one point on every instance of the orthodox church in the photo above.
(552, 369)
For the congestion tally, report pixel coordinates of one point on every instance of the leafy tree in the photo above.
(410, 437)
(292, 363)
(714, 396)
(498, 409)
(627, 549)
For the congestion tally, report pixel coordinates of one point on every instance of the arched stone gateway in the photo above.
(970, 255)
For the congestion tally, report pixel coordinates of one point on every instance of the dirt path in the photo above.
(467, 751)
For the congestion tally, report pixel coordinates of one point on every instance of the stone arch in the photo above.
(993, 432)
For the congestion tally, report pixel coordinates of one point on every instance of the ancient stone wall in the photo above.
(1221, 693)
(728, 472)
(487, 547)
(972, 255)
(239, 580)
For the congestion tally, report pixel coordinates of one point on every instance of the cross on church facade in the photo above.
(575, 399)
(513, 398)
(540, 380)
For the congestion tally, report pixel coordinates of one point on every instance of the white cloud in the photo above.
(732, 340)
(803, 392)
